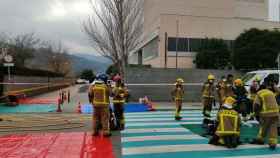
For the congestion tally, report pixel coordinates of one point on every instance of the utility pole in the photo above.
(165, 50)
(177, 36)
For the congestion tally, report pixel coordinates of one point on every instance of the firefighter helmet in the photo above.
(211, 77)
(230, 100)
(258, 79)
(117, 78)
(238, 82)
(102, 77)
(179, 81)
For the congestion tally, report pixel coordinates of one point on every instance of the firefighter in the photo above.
(119, 94)
(228, 125)
(177, 95)
(266, 108)
(208, 98)
(229, 86)
(221, 88)
(254, 88)
(240, 94)
(99, 97)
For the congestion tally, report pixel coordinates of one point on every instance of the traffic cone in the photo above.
(79, 110)
(59, 106)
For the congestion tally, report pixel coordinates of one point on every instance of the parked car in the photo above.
(261, 74)
(82, 81)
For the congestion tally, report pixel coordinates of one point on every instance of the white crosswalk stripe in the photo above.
(166, 137)
(157, 133)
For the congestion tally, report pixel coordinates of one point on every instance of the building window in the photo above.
(181, 44)
(150, 51)
(190, 44)
(195, 44)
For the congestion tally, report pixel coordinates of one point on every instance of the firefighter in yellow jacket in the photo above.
(266, 107)
(177, 95)
(99, 97)
(119, 94)
(208, 98)
(228, 125)
(221, 90)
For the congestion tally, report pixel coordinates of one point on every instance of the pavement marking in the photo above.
(180, 148)
(164, 116)
(163, 123)
(166, 112)
(163, 119)
(257, 156)
(180, 129)
(151, 143)
(155, 134)
(158, 135)
(164, 137)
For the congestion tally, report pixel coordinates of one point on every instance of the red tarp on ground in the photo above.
(57, 145)
(38, 101)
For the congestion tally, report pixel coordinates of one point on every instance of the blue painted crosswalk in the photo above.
(158, 135)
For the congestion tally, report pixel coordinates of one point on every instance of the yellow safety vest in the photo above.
(269, 104)
(229, 123)
(119, 94)
(100, 95)
(208, 90)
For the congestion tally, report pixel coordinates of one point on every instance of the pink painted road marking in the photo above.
(54, 145)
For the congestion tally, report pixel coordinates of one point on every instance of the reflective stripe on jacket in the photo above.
(266, 99)
(229, 123)
(119, 95)
(208, 90)
(100, 95)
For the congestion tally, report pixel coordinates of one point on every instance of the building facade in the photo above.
(174, 29)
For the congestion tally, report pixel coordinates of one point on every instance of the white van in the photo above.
(262, 74)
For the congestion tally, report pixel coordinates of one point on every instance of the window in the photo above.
(172, 44)
(182, 44)
(195, 44)
(190, 44)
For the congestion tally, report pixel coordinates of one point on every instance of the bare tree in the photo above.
(58, 58)
(115, 29)
(23, 46)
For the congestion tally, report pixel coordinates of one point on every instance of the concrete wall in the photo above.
(38, 82)
(193, 77)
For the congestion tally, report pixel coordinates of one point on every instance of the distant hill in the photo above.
(79, 62)
(85, 61)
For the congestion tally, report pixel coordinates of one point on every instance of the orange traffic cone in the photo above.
(79, 110)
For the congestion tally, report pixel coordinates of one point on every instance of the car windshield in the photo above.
(249, 77)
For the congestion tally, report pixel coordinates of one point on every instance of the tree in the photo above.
(87, 74)
(112, 70)
(22, 47)
(213, 54)
(58, 58)
(256, 49)
(115, 29)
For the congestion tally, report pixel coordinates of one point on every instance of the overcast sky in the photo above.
(55, 20)
(59, 20)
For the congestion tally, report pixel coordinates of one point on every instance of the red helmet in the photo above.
(117, 78)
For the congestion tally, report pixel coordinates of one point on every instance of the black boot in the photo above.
(272, 147)
(178, 118)
(256, 141)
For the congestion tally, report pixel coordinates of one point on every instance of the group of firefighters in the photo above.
(237, 106)
(100, 93)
